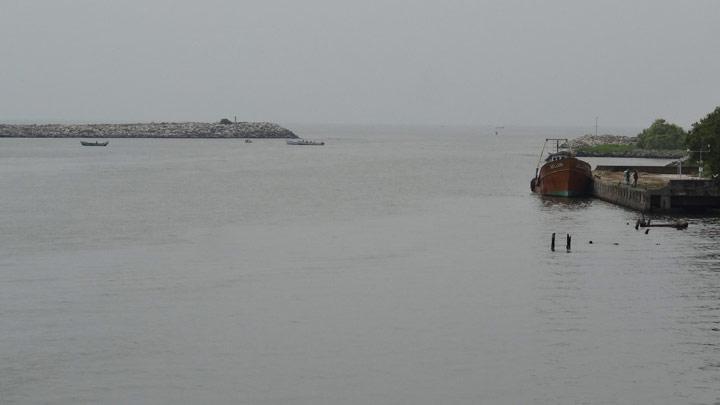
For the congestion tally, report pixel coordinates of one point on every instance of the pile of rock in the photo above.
(594, 140)
(635, 153)
(582, 147)
(149, 130)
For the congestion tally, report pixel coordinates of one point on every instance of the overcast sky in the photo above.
(333, 61)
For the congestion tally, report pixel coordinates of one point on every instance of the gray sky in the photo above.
(393, 61)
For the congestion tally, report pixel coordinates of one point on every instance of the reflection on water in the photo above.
(554, 203)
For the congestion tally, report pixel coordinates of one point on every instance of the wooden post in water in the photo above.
(568, 242)
(552, 243)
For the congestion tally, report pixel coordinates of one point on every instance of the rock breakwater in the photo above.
(620, 146)
(635, 153)
(594, 140)
(148, 130)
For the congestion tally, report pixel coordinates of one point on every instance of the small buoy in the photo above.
(590, 242)
(615, 243)
(627, 223)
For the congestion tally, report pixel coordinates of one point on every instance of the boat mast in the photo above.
(540, 158)
(557, 142)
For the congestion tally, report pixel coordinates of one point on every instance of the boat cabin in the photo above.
(563, 154)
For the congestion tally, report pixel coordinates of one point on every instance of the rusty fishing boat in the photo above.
(562, 174)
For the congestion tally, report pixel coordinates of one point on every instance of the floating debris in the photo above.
(679, 224)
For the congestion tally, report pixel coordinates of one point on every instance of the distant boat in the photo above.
(562, 175)
(248, 141)
(304, 142)
(96, 143)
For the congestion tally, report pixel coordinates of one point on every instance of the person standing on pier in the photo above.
(635, 177)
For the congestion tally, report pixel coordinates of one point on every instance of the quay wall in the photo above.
(622, 194)
(677, 195)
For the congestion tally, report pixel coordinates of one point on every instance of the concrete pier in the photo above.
(659, 189)
(622, 194)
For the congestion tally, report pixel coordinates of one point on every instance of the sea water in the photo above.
(392, 265)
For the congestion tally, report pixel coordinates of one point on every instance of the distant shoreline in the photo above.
(170, 130)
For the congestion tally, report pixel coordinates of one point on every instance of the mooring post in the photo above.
(552, 242)
(568, 242)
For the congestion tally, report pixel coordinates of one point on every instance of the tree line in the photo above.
(703, 136)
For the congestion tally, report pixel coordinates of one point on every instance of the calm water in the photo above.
(393, 265)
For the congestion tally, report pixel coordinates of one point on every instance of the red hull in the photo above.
(568, 177)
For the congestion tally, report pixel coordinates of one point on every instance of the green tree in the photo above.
(705, 136)
(662, 135)
(225, 121)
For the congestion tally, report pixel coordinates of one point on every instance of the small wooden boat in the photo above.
(304, 142)
(95, 143)
(562, 175)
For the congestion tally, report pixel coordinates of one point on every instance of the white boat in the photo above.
(304, 142)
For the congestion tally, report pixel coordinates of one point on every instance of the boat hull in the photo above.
(304, 142)
(569, 177)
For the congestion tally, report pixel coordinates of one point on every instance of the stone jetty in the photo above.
(659, 189)
(148, 130)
